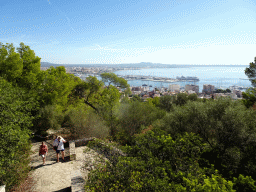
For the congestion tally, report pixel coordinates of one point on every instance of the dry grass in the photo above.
(25, 186)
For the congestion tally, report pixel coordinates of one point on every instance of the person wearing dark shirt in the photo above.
(43, 151)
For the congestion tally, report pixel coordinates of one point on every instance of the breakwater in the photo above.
(152, 78)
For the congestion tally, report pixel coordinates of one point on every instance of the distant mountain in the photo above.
(137, 65)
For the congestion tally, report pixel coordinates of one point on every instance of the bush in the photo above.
(110, 150)
(15, 153)
(210, 184)
(133, 116)
(85, 123)
(227, 126)
(15, 121)
(49, 118)
(244, 184)
(158, 163)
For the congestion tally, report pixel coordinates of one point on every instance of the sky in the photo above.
(133, 31)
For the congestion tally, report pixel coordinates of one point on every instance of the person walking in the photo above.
(55, 146)
(43, 151)
(60, 147)
(55, 143)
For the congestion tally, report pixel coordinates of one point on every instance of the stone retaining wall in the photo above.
(77, 181)
(77, 143)
(83, 142)
(72, 150)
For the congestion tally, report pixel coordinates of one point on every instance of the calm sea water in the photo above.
(218, 76)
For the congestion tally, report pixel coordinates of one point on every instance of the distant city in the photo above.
(209, 91)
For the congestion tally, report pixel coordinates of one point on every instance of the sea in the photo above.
(220, 76)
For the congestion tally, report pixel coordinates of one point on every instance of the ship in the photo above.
(188, 78)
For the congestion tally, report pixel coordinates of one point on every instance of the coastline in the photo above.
(222, 77)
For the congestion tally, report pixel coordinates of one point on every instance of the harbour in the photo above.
(220, 77)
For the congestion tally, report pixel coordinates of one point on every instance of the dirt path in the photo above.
(56, 177)
(53, 176)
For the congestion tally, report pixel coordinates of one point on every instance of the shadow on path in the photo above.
(39, 166)
(68, 189)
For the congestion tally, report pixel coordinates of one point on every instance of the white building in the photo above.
(232, 95)
(208, 88)
(192, 87)
(191, 92)
(174, 87)
(145, 88)
(237, 92)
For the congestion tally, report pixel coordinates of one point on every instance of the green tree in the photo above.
(228, 90)
(31, 67)
(57, 86)
(84, 122)
(153, 101)
(15, 119)
(157, 162)
(136, 98)
(166, 102)
(112, 78)
(193, 97)
(135, 115)
(49, 118)
(249, 97)
(103, 100)
(11, 65)
(181, 99)
(250, 72)
(108, 107)
(22, 67)
(224, 124)
(125, 95)
(90, 91)
(244, 184)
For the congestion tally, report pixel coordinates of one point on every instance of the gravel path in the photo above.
(53, 176)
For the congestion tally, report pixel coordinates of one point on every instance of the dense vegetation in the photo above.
(181, 143)
(173, 143)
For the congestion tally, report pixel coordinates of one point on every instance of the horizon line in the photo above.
(132, 63)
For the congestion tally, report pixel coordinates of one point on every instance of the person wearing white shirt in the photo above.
(55, 143)
(55, 146)
(60, 147)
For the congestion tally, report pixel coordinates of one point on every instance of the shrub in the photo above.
(15, 121)
(85, 123)
(49, 118)
(244, 184)
(110, 150)
(158, 163)
(133, 116)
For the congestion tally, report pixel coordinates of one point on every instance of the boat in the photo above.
(187, 78)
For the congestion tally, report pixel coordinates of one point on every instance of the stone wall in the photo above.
(77, 143)
(2, 188)
(83, 142)
(77, 181)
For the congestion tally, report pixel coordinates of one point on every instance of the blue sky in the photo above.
(133, 31)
